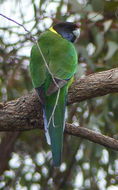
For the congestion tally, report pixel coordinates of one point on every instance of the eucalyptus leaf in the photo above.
(99, 40)
(112, 48)
(107, 25)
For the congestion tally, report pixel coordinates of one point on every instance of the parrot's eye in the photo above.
(76, 32)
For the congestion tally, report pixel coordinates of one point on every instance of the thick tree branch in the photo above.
(25, 113)
(94, 85)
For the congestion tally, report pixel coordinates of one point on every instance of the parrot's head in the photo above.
(67, 30)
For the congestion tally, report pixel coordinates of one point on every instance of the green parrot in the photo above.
(53, 64)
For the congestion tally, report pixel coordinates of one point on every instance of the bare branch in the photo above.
(92, 136)
(10, 19)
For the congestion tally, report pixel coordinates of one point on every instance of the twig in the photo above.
(46, 64)
(53, 111)
(15, 22)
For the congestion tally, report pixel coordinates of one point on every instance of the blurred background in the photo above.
(25, 158)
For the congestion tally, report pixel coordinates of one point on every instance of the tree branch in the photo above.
(25, 113)
(92, 136)
(94, 85)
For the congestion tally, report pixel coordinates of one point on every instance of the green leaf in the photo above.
(112, 48)
(99, 38)
(82, 50)
(107, 25)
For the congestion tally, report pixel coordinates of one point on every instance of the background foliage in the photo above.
(25, 158)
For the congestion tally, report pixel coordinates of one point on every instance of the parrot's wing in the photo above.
(61, 57)
(37, 67)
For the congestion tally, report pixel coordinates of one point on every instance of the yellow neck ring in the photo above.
(54, 31)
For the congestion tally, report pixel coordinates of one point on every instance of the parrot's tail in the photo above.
(54, 121)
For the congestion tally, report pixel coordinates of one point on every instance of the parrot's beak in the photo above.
(76, 32)
(78, 25)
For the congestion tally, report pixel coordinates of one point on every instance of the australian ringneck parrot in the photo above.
(54, 49)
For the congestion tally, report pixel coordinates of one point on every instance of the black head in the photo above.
(65, 29)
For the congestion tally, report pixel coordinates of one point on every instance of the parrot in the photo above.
(53, 63)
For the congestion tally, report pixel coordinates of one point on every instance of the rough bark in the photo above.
(92, 136)
(94, 85)
(25, 113)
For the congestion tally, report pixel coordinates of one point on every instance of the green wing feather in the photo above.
(61, 58)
